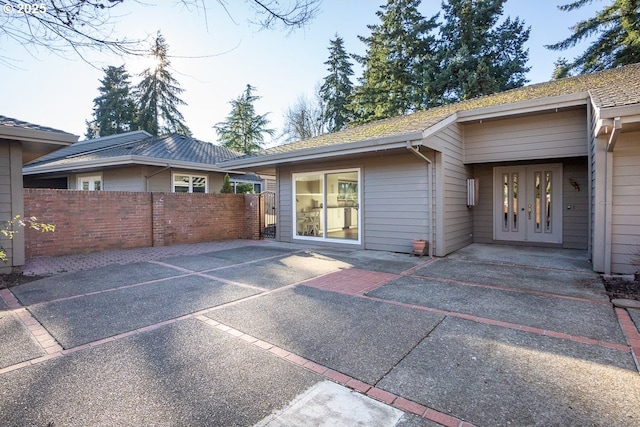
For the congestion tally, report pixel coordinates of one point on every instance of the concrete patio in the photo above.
(263, 333)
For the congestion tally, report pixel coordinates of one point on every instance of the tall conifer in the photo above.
(618, 30)
(337, 88)
(478, 56)
(397, 61)
(244, 129)
(158, 95)
(114, 110)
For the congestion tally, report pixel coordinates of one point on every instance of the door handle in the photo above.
(529, 210)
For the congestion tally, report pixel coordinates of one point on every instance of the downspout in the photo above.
(154, 174)
(416, 151)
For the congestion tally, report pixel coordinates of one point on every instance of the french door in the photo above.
(528, 203)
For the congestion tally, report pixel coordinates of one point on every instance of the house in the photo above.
(21, 142)
(554, 164)
(135, 161)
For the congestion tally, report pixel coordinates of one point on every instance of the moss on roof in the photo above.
(612, 88)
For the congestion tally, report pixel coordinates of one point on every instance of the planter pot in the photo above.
(420, 247)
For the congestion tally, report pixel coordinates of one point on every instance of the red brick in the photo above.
(358, 385)
(337, 376)
(444, 419)
(93, 221)
(382, 395)
(409, 406)
(296, 359)
(279, 351)
(312, 366)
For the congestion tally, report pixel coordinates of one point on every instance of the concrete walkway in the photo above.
(264, 333)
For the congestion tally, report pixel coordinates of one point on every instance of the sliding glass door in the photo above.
(327, 205)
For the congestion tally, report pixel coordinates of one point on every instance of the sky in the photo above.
(218, 53)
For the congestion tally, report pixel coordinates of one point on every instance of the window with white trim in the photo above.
(185, 183)
(90, 182)
(326, 205)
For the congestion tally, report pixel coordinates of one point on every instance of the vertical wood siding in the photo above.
(625, 218)
(544, 136)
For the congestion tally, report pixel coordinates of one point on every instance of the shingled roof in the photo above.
(612, 88)
(15, 123)
(135, 148)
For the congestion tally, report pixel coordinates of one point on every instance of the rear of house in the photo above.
(555, 164)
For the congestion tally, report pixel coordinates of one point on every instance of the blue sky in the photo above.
(55, 91)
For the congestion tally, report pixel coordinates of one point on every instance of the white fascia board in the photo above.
(120, 161)
(524, 107)
(34, 135)
(365, 146)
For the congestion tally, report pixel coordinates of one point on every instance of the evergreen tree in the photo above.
(114, 110)
(618, 42)
(561, 69)
(226, 185)
(158, 95)
(303, 120)
(398, 60)
(244, 129)
(476, 55)
(337, 88)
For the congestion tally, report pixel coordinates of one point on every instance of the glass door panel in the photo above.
(342, 205)
(309, 217)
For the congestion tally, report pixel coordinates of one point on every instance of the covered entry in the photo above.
(528, 203)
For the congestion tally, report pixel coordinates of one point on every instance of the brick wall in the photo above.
(94, 221)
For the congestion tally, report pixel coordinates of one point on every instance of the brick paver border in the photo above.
(342, 379)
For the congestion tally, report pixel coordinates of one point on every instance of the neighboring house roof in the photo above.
(613, 88)
(136, 147)
(8, 122)
(36, 140)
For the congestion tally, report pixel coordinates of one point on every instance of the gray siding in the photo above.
(395, 202)
(124, 179)
(457, 219)
(134, 178)
(11, 200)
(575, 221)
(543, 136)
(395, 199)
(483, 211)
(625, 220)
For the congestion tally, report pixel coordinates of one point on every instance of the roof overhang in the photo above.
(324, 152)
(122, 161)
(36, 143)
(552, 103)
(613, 121)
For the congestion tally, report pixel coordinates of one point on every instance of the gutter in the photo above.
(416, 151)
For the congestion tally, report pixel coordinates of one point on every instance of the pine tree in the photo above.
(337, 88)
(618, 42)
(244, 129)
(158, 95)
(397, 63)
(114, 110)
(476, 55)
